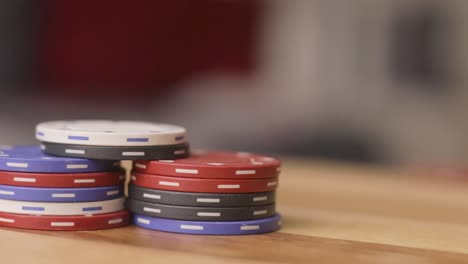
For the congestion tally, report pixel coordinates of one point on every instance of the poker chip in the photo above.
(32, 159)
(225, 165)
(200, 199)
(110, 133)
(117, 153)
(62, 180)
(204, 185)
(33, 194)
(65, 223)
(200, 213)
(265, 225)
(43, 208)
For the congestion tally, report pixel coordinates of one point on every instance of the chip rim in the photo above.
(48, 132)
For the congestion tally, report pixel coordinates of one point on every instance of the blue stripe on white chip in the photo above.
(82, 138)
(70, 208)
(137, 139)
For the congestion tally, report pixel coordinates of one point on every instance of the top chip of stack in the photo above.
(110, 133)
(216, 165)
(113, 140)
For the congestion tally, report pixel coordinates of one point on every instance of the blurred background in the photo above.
(382, 81)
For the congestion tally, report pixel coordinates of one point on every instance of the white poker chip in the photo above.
(43, 208)
(110, 133)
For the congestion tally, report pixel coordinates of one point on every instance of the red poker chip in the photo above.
(204, 185)
(65, 223)
(62, 180)
(221, 165)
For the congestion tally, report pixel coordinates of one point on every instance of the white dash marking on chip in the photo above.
(42, 147)
(4, 155)
(169, 183)
(21, 179)
(84, 181)
(186, 171)
(208, 200)
(115, 221)
(7, 220)
(63, 195)
(228, 186)
(250, 227)
(191, 227)
(210, 214)
(143, 221)
(114, 192)
(167, 161)
(141, 166)
(273, 183)
(62, 224)
(77, 166)
(17, 164)
(260, 212)
(152, 210)
(133, 153)
(215, 163)
(245, 172)
(179, 152)
(133, 178)
(74, 151)
(151, 196)
(7, 193)
(260, 198)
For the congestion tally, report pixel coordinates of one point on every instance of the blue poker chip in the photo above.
(265, 225)
(32, 159)
(74, 195)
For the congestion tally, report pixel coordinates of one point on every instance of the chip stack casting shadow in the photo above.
(210, 193)
(81, 187)
(43, 192)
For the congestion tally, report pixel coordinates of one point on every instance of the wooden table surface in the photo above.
(333, 213)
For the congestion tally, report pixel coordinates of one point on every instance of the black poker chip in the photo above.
(201, 213)
(200, 199)
(166, 152)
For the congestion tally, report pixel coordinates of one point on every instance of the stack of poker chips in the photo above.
(71, 181)
(211, 193)
(43, 192)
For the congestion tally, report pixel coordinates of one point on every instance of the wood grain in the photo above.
(333, 213)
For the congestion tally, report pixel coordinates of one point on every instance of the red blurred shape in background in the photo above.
(118, 45)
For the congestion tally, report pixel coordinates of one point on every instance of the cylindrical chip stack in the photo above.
(73, 181)
(211, 193)
(43, 192)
